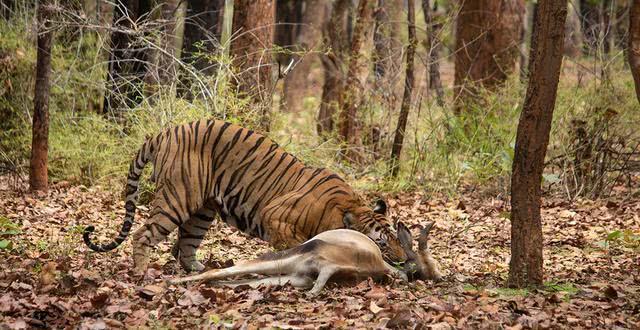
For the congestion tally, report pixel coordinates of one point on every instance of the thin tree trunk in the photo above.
(251, 50)
(160, 64)
(38, 177)
(532, 139)
(127, 62)
(201, 40)
(308, 40)
(433, 46)
(202, 29)
(287, 29)
(388, 55)
(6, 8)
(359, 58)
(334, 63)
(398, 140)
(590, 23)
(634, 44)
(525, 46)
(573, 44)
(487, 39)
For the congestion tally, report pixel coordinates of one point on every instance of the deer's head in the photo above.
(420, 264)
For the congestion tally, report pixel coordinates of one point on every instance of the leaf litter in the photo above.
(592, 271)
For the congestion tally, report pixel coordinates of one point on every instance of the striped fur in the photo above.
(212, 167)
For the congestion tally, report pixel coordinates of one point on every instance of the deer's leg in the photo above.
(325, 274)
(395, 272)
(190, 236)
(270, 267)
(296, 281)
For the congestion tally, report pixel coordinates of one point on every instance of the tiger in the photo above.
(211, 167)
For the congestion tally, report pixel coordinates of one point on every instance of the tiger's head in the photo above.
(375, 224)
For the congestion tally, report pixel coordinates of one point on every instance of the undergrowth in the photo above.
(442, 151)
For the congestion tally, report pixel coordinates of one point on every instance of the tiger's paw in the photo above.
(192, 266)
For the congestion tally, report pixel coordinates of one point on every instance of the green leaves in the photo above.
(7, 228)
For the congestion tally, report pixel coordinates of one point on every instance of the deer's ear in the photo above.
(404, 236)
(424, 236)
(347, 220)
(381, 207)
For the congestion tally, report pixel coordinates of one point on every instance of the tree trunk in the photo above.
(433, 46)
(573, 44)
(590, 22)
(532, 139)
(38, 177)
(288, 25)
(202, 28)
(359, 59)
(398, 140)
(633, 52)
(201, 40)
(251, 51)
(487, 39)
(160, 64)
(127, 62)
(6, 8)
(307, 42)
(388, 45)
(334, 63)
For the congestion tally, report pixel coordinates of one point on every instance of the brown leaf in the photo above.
(48, 274)
(376, 293)
(149, 291)
(610, 292)
(192, 298)
(375, 309)
(100, 299)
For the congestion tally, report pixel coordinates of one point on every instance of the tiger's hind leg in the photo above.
(166, 215)
(190, 236)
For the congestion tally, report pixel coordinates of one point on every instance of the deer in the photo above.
(337, 255)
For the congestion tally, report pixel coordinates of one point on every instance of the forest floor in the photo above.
(592, 271)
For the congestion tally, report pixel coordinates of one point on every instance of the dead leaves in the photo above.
(51, 280)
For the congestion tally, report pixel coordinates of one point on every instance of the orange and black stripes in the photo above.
(212, 167)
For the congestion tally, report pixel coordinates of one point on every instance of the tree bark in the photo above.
(433, 46)
(388, 45)
(251, 51)
(398, 140)
(202, 29)
(38, 177)
(359, 58)
(288, 25)
(573, 44)
(6, 8)
(487, 39)
(161, 70)
(127, 62)
(633, 52)
(590, 23)
(201, 40)
(532, 139)
(308, 39)
(334, 63)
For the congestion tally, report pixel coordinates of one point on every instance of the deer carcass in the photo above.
(335, 255)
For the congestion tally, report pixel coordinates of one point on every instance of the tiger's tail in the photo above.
(133, 179)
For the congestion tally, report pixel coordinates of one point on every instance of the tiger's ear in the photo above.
(347, 220)
(381, 207)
